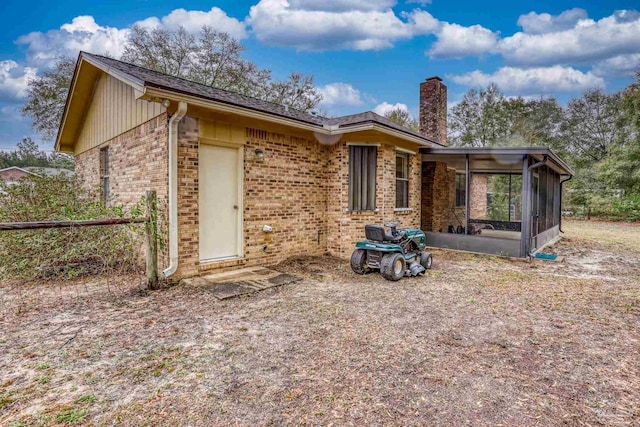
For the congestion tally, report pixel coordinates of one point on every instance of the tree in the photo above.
(403, 118)
(538, 123)
(214, 58)
(591, 126)
(481, 119)
(211, 58)
(622, 167)
(46, 96)
(28, 153)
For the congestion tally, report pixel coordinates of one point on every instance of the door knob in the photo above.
(235, 207)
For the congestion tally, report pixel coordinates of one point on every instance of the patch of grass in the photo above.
(5, 401)
(71, 416)
(45, 379)
(42, 366)
(87, 398)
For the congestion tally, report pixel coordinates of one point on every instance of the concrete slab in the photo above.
(236, 283)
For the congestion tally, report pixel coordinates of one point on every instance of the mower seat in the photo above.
(377, 233)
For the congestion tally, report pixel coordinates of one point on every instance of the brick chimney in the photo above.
(433, 109)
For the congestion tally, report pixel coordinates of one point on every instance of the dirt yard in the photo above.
(478, 341)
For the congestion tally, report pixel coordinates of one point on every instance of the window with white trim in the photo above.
(402, 180)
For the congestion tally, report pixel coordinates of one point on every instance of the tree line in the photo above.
(27, 153)
(597, 133)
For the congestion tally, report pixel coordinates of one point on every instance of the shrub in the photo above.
(610, 206)
(63, 252)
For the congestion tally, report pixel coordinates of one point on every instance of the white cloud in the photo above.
(457, 41)
(543, 80)
(618, 66)
(318, 26)
(14, 80)
(540, 23)
(385, 107)
(341, 5)
(83, 33)
(340, 94)
(194, 20)
(586, 41)
(421, 2)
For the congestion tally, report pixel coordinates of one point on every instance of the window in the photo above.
(402, 180)
(362, 177)
(461, 189)
(104, 175)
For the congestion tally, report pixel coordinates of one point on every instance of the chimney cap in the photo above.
(434, 78)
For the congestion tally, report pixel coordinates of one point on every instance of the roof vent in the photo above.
(286, 108)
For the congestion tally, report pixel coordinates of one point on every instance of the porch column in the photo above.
(467, 186)
(525, 226)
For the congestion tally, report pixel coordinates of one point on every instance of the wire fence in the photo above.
(67, 262)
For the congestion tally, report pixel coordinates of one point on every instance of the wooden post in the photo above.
(151, 228)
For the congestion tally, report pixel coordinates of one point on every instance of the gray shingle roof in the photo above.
(49, 171)
(155, 79)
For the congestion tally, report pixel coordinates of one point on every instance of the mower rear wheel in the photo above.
(359, 261)
(426, 260)
(392, 266)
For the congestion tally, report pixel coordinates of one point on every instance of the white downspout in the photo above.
(173, 189)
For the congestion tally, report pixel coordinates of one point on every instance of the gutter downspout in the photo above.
(562, 181)
(173, 189)
(544, 161)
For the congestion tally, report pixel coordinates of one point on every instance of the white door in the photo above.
(219, 202)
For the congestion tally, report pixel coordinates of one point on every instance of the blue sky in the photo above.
(364, 54)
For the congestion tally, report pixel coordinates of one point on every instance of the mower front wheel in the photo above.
(426, 260)
(392, 266)
(359, 261)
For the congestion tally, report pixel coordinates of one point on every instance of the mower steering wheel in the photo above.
(393, 223)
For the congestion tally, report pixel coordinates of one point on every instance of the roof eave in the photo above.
(164, 92)
(503, 151)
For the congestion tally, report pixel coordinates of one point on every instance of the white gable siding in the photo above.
(112, 111)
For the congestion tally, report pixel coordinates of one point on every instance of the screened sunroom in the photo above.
(504, 201)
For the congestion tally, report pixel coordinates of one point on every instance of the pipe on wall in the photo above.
(173, 189)
(540, 163)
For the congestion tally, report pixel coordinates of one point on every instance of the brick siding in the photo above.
(433, 110)
(138, 162)
(346, 228)
(300, 189)
(438, 197)
(13, 175)
(478, 196)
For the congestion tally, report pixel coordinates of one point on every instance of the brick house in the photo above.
(14, 173)
(247, 182)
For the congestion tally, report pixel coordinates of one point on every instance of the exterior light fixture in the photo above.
(166, 103)
(259, 154)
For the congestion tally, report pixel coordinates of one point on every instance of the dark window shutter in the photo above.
(362, 177)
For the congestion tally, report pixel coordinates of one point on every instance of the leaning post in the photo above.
(151, 229)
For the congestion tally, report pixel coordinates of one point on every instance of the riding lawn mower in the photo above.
(397, 254)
